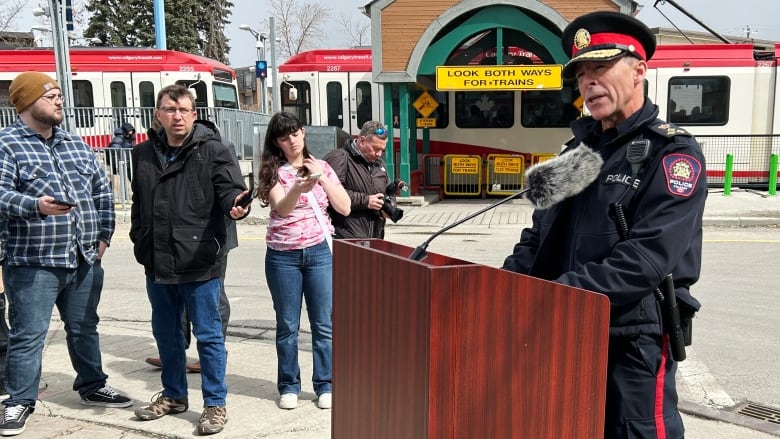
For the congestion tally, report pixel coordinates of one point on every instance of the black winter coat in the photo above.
(361, 179)
(180, 208)
(577, 241)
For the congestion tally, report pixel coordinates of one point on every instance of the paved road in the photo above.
(735, 354)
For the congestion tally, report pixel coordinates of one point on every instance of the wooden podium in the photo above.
(445, 348)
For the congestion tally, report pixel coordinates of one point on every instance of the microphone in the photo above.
(568, 174)
(548, 183)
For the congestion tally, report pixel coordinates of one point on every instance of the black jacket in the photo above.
(180, 206)
(361, 179)
(577, 241)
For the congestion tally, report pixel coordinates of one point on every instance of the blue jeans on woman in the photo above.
(202, 302)
(292, 276)
(32, 294)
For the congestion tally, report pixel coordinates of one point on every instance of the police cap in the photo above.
(605, 35)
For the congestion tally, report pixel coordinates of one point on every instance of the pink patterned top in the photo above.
(300, 228)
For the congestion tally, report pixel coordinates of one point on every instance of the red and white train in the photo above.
(728, 95)
(115, 85)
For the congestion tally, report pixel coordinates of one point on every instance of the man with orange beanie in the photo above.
(56, 219)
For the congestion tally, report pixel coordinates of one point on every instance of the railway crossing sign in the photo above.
(425, 104)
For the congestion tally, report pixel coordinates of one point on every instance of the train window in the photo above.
(118, 102)
(7, 113)
(84, 103)
(201, 97)
(363, 100)
(225, 96)
(148, 101)
(300, 106)
(698, 100)
(334, 104)
(475, 109)
(548, 108)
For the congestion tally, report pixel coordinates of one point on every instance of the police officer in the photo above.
(637, 223)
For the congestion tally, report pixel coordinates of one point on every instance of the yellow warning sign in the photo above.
(426, 122)
(525, 77)
(507, 165)
(425, 104)
(465, 165)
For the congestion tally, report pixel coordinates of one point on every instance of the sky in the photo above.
(724, 16)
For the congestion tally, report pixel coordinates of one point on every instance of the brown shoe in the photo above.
(154, 361)
(161, 406)
(194, 367)
(212, 420)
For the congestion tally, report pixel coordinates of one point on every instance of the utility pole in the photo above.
(275, 82)
(748, 31)
(62, 61)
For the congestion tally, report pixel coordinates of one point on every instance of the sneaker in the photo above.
(288, 401)
(325, 401)
(106, 396)
(15, 419)
(154, 361)
(162, 405)
(212, 420)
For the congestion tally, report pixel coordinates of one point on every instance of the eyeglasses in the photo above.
(52, 98)
(172, 110)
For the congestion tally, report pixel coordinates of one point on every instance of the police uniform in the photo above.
(580, 241)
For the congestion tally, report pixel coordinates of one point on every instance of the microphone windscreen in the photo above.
(554, 180)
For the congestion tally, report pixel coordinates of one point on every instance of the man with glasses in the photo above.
(361, 169)
(56, 219)
(185, 184)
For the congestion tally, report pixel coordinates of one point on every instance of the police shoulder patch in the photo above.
(669, 130)
(682, 174)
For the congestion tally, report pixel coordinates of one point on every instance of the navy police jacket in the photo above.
(577, 242)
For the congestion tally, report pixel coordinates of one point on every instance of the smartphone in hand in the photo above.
(246, 200)
(64, 203)
(311, 177)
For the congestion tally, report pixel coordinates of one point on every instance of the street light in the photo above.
(260, 43)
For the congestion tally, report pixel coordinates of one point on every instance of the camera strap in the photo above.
(320, 219)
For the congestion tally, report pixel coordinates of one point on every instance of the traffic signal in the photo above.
(261, 69)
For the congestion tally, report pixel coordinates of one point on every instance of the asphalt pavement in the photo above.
(251, 373)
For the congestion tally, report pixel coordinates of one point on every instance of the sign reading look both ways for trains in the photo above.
(525, 77)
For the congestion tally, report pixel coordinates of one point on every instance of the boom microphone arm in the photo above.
(419, 252)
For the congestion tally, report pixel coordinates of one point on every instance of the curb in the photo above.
(706, 412)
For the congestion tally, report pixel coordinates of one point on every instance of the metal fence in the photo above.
(96, 125)
(751, 158)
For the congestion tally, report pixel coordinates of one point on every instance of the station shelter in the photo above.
(412, 39)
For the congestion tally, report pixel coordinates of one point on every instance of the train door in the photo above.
(348, 100)
(144, 88)
(118, 96)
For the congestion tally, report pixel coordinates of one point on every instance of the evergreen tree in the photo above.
(191, 25)
(211, 27)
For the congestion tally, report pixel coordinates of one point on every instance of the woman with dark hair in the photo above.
(298, 262)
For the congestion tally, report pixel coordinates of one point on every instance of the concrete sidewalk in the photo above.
(252, 409)
(251, 371)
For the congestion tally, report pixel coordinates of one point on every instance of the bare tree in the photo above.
(9, 12)
(358, 32)
(300, 24)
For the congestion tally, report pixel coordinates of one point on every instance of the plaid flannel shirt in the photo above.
(67, 169)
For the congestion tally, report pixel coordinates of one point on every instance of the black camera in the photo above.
(390, 206)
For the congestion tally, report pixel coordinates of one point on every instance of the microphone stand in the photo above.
(419, 252)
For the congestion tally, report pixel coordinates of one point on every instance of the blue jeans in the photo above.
(201, 300)
(292, 276)
(32, 293)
